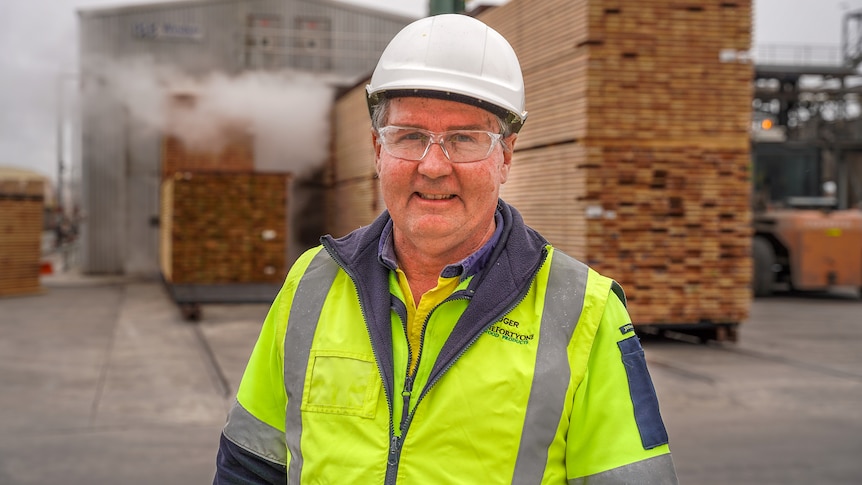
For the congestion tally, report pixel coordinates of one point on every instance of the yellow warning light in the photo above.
(766, 124)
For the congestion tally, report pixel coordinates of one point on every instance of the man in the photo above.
(447, 342)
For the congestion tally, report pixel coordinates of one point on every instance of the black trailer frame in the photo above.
(190, 296)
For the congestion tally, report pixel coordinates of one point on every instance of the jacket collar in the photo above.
(465, 268)
(361, 247)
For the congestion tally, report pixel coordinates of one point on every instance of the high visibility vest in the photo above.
(555, 390)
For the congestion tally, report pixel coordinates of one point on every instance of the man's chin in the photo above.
(434, 227)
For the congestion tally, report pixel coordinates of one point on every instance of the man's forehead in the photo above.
(421, 110)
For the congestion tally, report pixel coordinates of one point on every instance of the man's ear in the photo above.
(509, 147)
(376, 145)
(377, 148)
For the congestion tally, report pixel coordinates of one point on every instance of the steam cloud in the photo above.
(286, 112)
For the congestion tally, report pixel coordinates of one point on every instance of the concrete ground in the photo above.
(103, 382)
(783, 405)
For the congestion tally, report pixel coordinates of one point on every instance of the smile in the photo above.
(435, 196)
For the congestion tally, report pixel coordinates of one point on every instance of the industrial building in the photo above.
(266, 69)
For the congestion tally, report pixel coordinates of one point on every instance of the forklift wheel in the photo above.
(764, 259)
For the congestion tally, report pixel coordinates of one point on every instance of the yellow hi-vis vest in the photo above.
(554, 392)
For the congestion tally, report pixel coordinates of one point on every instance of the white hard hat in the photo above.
(452, 56)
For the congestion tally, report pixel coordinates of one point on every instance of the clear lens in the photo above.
(459, 146)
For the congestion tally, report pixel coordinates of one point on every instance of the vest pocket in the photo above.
(343, 383)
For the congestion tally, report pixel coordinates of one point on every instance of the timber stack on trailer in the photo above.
(354, 197)
(635, 154)
(22, 202)
(223, 232)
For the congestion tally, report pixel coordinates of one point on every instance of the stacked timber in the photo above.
(635, 156)
(224, 227)
(221, 221)
(353, 197)
(21, 221)
(235, 153)
(194, 143)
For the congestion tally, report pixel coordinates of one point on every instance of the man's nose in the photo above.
(435, 163)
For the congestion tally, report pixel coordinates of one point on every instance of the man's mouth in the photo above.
(435, 196)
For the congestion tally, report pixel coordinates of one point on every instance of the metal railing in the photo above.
(799, 55)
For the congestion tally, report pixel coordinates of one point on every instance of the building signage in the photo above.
(167, 31)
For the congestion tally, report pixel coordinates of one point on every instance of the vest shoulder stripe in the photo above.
(254, 436)
(658, 470)
(302, 321)
(564, 299)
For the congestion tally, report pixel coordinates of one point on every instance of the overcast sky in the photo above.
(38, 41)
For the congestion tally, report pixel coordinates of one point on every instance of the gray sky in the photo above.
(38, 43)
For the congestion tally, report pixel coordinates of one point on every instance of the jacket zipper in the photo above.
(407, 418)
(395, 443)
(463, 350)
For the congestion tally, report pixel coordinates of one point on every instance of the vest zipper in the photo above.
(395, 442)
(430, 384)
(406, 393)
(407, 418)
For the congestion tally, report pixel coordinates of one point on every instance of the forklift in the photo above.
(805, 238)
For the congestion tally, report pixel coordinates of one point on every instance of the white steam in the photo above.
(286, 113)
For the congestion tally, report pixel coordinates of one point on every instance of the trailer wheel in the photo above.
(191, 311)
(764, 259)
(726, 333)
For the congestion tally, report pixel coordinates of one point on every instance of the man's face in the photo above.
(435, 201)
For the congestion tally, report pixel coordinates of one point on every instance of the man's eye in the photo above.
(412, 135)
(463, 138)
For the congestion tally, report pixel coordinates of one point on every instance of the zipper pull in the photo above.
(408, 390)
(405, 396)
(393, 451)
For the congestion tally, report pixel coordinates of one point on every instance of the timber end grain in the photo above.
(21, 222)
(225, 227)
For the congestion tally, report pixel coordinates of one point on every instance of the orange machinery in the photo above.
(803, 239)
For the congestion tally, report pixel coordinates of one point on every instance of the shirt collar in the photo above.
(468, 266)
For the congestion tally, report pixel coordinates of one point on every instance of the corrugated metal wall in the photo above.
(120, 160)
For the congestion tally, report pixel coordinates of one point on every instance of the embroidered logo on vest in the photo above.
(510, 331)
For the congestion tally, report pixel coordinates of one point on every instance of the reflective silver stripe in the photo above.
(657, 470)
(301, 324)
(254, 436)
(564, 300)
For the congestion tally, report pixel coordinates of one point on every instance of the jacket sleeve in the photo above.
(253, 449)
(616, 433)
(236, 466)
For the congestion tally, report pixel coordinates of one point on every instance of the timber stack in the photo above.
(22, 202)
(223, 227)
(222, 222)
(635, 156)
(353, 198)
